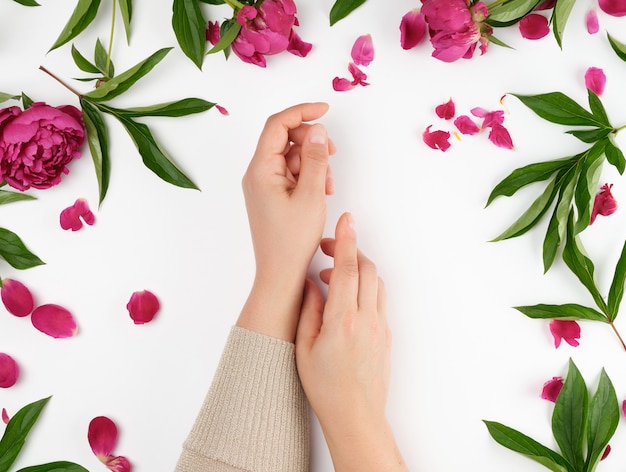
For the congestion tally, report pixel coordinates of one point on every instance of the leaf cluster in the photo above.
(582, 427)
(572, 180)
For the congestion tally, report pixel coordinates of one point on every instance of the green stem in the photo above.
(617, 130)
(234, 4)
(111, 37)
(60, 81)
(618, 335)
(497, 3)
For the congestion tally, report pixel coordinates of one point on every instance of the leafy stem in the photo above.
(234, 4)
(617, 130)
(621, 340)
(113, 7)
(71, 89)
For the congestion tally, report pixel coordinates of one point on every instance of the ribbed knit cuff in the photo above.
(254, 416)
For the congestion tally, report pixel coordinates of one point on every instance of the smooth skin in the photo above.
(342, 344)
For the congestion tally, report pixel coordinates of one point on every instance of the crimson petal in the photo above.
(552, 388)
(604, 204)
(436, 139)
(534, 26)
(412, 29)
(142, 306)
(613, 7)
(446, 110)
(567, 330)
(595, 80)
(363, 50)
(5, 416)
(70, 217)
(54, 320)
(9, 371)
(117, 464)
(102, 437)
(16, 297)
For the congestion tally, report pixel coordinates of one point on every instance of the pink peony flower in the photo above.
(213, 32)
(70, 218)
(54, 320)
(567, 330)
(595, 80)
(604, 203)
(412, 29)
(446, 110)
(363, 50)
(613, 7)
(552, 388)
(9, 371)
(268, 30)
(37, 144)
(534, 26)
(466, 126)
(143, 306)
(436, 139)
(102, 437)
(16, 298)
(591, 20)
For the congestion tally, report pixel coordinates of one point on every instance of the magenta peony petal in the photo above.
(567, 330)
(591, 19)
(359, 77)
(613, 7)
(9, 371)
(412, 29)
(595, 80)
(102, 437)
(500, 136)
(142, 306)
(221, 109)
(341, 84)
(54, 320)
(436, 139)
(624, 407)
(213, 32)
(118, 464)
(607, 451)
(363, 50)
(5, 416)
(466, 126)
(534, 26)
(604, 203)
(70, 218)
(446, 110)
(298, 47)
(552, 388)
(16, 297)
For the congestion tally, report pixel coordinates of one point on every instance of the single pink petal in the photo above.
(595, 80)
(341, 84)
(9, 371)
(16, 297)
(54, 320)
(466, 126)
(552, 388)
(500, 136)
(624, 407)
(5, 416)
(359, 77)
(297, 46)
(490, 118)
(102, 437)
(118, 464)
(142, 306)
(412, 29)
(604, 203)
(436, 139)
(613, 7)
(446, 110)
(606, 452)
(246, 13)
(363, 50)
(591, 19)
(221, 109)
(70, 218)
(567, 330)
(534, 26)
(213, 32)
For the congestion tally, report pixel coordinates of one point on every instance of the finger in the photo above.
(368, 285)
(292, 159)
(310, 315)
(382, 299)
(325, 275)
(298, 134)
(327, 245)
(313, 162)
(344, 280)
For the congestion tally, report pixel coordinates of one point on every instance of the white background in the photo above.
(461, 353)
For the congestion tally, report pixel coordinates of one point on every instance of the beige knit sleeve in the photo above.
(254, 417)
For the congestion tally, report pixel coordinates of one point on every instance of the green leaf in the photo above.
(558, 222)
(496, 41)
(7, 96)
(616, 292)
(509, 13)
(587, 185)
(13, 250)
(560, 14)
(557, 107)
(16, 432)
(26, 101)
(61, 466)
(97, 138)
(186, 106)
(619, 48)
(228, 32)
(83, 15)
(569, 419)
(568, 311)
(213, 2)
(589, 135)
(126, 7)
(82, 63)
(519, 442)
(603, 420)
(10, 197)
(597, 108)
(103, 61)
(343, 8)
(27, 3)
(614, 155)
(190, 29)
(119, 84)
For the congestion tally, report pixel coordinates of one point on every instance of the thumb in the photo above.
(310, 315)
(314, 161)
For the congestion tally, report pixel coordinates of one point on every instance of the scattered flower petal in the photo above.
(624, 407)
(142, 306)
(490, 118)
(297, 46)
(102, 436)
(500, 136)
(606, 452)
(54, 320)
(70, 218)
(534, 26)
(567, 330)
(341, 84)
(436, 139)
(16, 298)
(552, 388)
(117, 464)
(9, 371)
(412, 29)
(466, 126)
(213, 32)
(591, 19)
(595, 80)
(604, 203)
(446, 110)
(613, 7)
(222, 110)
(363, 50)
(5, 416)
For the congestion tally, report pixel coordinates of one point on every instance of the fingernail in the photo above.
(317, 135)
(350, 221)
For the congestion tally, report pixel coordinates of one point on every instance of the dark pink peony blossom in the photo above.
(37, 144)
(268, 30)
(436, 139)
(70, 218)
(534, 26)
(363, 50)
(16, 298)
(595, 80)
(613, 7)
(604, 203)
(446, 110)
(412, 29)
(466, 126)
(591, 20)
(143, 306)
(567, 330)
(552, 388)
(213, 32)
(54, 320)
(102, 437)
(9, 371)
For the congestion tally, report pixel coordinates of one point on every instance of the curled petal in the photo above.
(591, 19)
(341, 84)
(117, 464)
(534, 26)
(5, 416)
(142, 306)
(221, 109)
(567, 330)
(446, 110)
(500, 136)
(9, 371)
(613, 7)
(466, 126)
(552, 388)
(436, 139)
(604, 203)
(16, 297)
(70, 218)
(412, 29)
(246, 13)
(102, 436)
(606, 452)
(54, 320)
(297, 46)
(595, 80)
(363, 50)
(213, 32)
(490, 118)
(359, 77)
